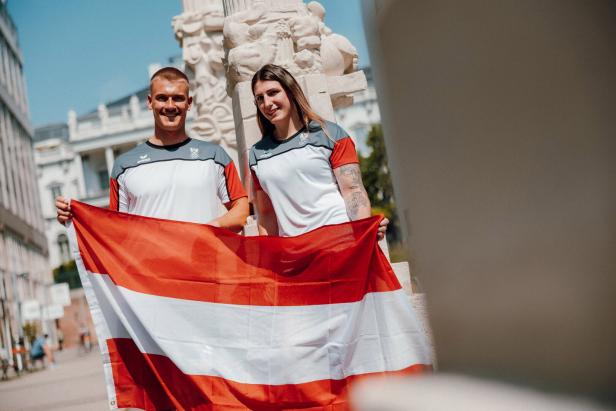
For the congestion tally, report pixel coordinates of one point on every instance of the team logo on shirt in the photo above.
(194, 152)
(143, 159)
(303, 139)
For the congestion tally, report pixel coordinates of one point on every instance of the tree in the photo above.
(67, 273)
(377, 180)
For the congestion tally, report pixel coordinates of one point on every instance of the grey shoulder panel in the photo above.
(189, 150)
(129, 159)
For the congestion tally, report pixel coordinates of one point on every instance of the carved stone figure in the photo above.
(199, 31)
(288, 33)
(339, 56)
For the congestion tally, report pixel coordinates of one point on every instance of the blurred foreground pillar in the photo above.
(500, 130)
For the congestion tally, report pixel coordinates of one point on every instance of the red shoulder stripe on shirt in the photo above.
(255, 181)
(343, 153)
(114, 202)
(234, 184)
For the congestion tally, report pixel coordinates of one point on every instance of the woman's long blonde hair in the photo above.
(272, 72)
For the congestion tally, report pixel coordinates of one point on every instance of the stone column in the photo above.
(81, 185)
(109, 159)
(199, 31)
(72, 125)
(502, 159)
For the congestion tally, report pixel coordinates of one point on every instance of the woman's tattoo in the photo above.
(352, 174)
(356, 201)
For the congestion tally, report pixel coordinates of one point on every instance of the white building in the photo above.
(74, 159)
(357, 118)
(24, 271)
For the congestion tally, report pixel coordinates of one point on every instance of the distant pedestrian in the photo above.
(60, 335)
(38, 351)
(85, 344)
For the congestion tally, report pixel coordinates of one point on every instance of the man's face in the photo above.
(169, 102)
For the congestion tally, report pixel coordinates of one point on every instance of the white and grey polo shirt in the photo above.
(297, 175)
(184, 182)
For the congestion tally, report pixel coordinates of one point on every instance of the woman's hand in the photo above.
(382, 229)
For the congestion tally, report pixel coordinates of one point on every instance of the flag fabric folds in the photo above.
(192, 317)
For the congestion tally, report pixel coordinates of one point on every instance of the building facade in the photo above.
(358, 118)
(24, 271)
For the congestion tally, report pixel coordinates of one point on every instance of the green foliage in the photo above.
(31, 331)
(398, 252)
(67, 273)
(377, 180)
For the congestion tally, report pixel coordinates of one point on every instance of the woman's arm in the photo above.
(266, 216)
(354, 194)
(352, 189)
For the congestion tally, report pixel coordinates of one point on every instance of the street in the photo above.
(76, 383)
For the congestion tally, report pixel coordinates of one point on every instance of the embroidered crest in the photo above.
(143, 158)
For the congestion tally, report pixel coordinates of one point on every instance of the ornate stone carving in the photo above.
(199, 31)
(284, 32)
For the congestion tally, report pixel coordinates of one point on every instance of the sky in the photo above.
(80, 53)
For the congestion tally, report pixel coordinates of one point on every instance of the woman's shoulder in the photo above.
(332, 130)
(262, 146)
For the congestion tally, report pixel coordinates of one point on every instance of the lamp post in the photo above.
(6, 322)
(20, 329)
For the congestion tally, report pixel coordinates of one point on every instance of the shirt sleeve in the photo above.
(118, 200)
(343, 153)
(113, 194)
(234, 188)
(230, 187)
(255, 181)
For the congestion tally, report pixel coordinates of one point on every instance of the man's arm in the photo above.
(63, 210)
(266, 216)
(356, 199)
(235, 217)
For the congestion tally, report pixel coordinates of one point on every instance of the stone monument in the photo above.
(199, 31)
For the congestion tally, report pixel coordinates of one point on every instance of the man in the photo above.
(172, 176)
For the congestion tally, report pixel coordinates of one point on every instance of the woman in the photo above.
(305, 169)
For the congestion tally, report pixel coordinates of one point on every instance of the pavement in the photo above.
(76, 383)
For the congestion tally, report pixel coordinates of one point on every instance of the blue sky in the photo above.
(79, 53)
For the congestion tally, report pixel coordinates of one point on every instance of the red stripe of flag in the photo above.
(136, 385)
(203, 263)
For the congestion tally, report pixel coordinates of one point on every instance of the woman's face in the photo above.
(273, 102)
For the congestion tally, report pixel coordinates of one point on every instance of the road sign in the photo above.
(30, 310)
(53, 312)
(60, 294)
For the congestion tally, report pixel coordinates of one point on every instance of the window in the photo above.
(103, 179)
(56, 190)
(65, 254)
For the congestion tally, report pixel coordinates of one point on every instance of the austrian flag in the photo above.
(192, 317)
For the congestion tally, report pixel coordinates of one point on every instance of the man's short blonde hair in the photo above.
(169, 73)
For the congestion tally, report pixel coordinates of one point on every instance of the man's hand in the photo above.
(235, 218)
(382, 229)
(63, 210)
